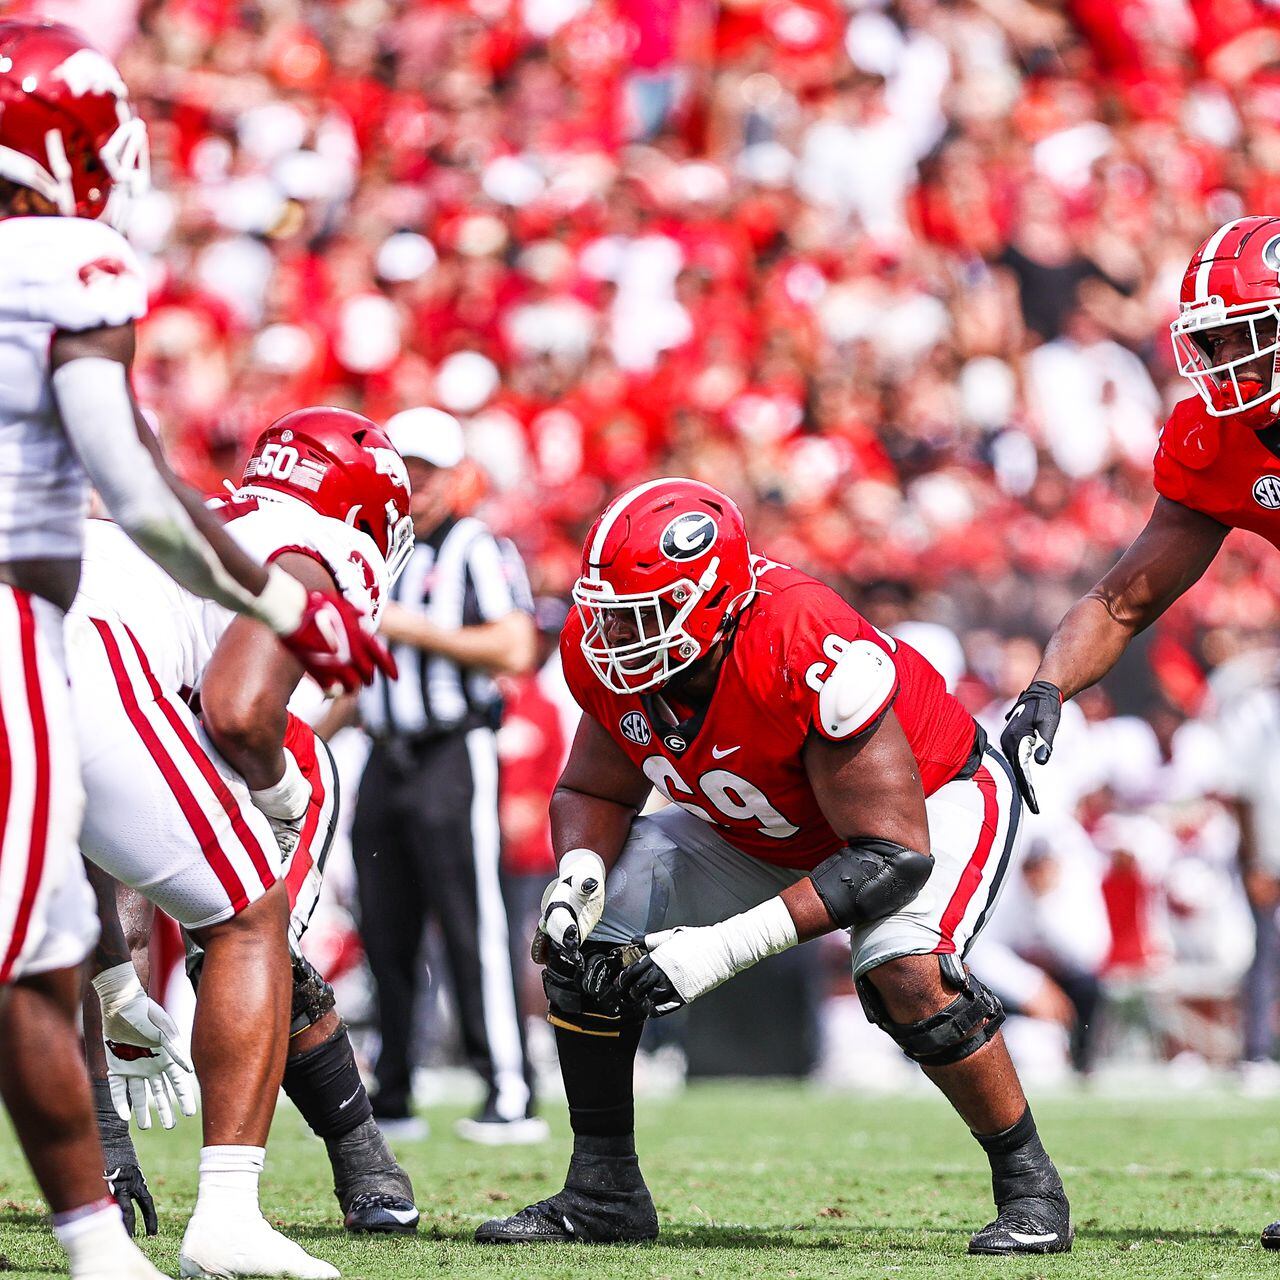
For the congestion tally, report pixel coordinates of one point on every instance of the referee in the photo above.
(425, 834)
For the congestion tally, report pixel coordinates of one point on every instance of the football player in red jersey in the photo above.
(1217, 469)
(820, 778)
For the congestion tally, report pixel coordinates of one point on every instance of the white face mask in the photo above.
(1220, 383)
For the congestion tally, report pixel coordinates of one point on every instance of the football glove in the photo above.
(128, 1187)
(1029, 732)
(336, 645)
(146, 1064)
(572, 905)
(644, 985)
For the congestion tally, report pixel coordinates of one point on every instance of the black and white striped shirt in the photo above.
(461, 576)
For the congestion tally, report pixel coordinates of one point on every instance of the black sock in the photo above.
(324, 1084)
(598, 1083)
(1020, 1166)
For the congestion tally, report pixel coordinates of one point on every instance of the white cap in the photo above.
(429, 434)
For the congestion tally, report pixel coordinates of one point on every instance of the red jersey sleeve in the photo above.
(1189, 444)
(839, 672)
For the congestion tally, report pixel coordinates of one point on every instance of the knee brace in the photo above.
(869, 879)
(312, 996)
(324, 1084)
(955, 1032)
(584, 997)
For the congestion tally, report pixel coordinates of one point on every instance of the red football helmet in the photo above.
(665, 570)
(342, 466)
(1232, 285)
(66, 128)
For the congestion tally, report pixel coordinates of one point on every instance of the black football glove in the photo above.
(1029, 732)
(127, 1185)
(643, 986)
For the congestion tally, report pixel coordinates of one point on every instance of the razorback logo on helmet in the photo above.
(88, 71)
(688, 536)
(370, 578)
(100, 268)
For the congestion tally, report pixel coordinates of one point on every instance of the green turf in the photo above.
(763, 1181)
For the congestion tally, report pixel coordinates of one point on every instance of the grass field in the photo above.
(763, 1181)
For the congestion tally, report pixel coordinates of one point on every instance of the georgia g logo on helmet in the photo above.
(688, 536)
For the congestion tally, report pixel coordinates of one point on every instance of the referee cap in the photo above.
(429, 434)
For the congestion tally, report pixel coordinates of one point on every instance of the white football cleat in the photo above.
(235, 1249)
(122, 1261)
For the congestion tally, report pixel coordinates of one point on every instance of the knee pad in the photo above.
(313, 997)
(955, 1032)
(583, 997)
(324, 1084)
(869, 879)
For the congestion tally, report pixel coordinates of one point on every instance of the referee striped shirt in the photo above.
(460, 576)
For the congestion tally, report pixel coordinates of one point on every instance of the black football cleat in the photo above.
(1030, 1224)
(604, 1201)
(378, 1213)
(1271, 1236)
(374, 1192)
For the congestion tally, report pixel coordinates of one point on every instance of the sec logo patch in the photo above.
(1266, 492)
(635, 728)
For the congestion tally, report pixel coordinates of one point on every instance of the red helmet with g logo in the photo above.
(341, 465)
(665, 570)
(1232, 285)
(67, 130)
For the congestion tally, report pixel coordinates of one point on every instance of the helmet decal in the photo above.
(88, 71)
(688, 536)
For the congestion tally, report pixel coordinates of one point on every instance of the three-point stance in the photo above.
(821, 778)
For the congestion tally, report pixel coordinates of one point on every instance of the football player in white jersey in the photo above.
(71, 152)
(184, 810)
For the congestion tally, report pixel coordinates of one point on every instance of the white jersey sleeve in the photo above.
(281, 525)
(71, 273)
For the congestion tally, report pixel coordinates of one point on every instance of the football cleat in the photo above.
(1271, 1236)
(378, 1213)
(1030, 1224)
(604, 1201)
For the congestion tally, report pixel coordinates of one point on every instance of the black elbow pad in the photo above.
(869, 879)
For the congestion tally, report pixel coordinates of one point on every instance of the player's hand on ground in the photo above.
(1029, 732)
(571, 906)
(128, 1188)
(335, 643)
(146, 1062)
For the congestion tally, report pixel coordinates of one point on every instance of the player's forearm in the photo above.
(249, 735)
(506, 646)
(1087, 644)
(113, 946)
(581, 821)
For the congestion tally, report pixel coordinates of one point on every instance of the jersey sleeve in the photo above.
(498, 576)
(839, 670)
(83, 275)
(1189, 444)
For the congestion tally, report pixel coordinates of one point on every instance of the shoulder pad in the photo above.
(78, 274)
(1191, 436)
(858, 691)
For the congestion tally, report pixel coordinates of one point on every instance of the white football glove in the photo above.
(145, 1061)
(574, 900)
(285, 805)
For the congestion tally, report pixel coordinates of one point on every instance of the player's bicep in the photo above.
(870, 786)
(598, 767)
(1167, 558)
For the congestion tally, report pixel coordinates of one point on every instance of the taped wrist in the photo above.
(287, 800)
(869, 879)
(324, 1084)
(116, 987)
(957, 1031)
(117, 1143)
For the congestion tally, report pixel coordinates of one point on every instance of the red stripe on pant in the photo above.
(187, 802)
(971, 876)
(300, 738)
(257, 854)
(38, 846)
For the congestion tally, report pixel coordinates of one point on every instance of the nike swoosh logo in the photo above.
(1021, 1238)
(719, 753)
(403, 1215)
(351, 1099)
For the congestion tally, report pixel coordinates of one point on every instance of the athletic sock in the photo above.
(1020, 1166)
(598, 1073)
(86, 1232)
(324, 1084)
(229, 1181)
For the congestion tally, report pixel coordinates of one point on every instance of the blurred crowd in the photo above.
(897, 274)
